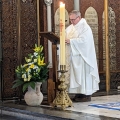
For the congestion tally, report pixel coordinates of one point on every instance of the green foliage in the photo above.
(34, 70)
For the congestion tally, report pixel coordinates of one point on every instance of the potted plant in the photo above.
(34, 71)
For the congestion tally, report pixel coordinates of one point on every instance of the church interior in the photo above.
(24, 23)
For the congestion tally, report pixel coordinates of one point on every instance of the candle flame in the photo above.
(61, 4)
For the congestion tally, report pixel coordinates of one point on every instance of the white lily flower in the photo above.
(35, 54)
(23, 75)
(35, 60)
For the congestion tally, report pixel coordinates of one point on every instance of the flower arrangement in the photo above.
(34, 70)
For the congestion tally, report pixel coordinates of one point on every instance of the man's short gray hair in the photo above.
(76, 12)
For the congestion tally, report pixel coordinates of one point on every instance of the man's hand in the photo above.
(67, 41)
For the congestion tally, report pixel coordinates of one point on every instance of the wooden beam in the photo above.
(107, 46)
(38, 20)
(19, 30)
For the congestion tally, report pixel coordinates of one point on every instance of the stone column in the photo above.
(49, 27)
(76, 4)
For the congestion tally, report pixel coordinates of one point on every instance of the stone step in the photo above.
(19, 114)
(8, 117)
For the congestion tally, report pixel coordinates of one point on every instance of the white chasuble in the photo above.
(82, 76)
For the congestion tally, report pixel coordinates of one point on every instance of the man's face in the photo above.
(74, 19)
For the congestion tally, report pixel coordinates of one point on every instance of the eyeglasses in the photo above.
(74, 19)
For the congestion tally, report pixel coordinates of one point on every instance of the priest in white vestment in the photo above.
(82, 76)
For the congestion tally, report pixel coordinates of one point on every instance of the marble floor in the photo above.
(79, 110)
(85, 108)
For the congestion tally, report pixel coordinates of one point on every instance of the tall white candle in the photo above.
(62, 34)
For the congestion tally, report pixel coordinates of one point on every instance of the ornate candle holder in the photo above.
(62, 99)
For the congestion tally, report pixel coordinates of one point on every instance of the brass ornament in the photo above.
(62, 99)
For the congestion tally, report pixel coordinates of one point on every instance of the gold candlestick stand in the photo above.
(62, 99)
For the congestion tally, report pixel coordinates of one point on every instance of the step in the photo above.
(24, 112)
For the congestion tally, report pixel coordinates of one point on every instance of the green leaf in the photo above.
(25, 86)
(17, 83)
(17, 80)
(32, 84)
